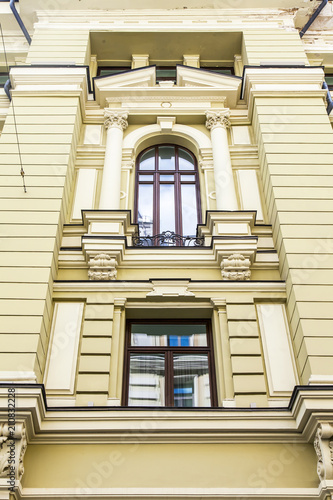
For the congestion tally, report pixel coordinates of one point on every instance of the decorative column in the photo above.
(218, 123)
(115, 124)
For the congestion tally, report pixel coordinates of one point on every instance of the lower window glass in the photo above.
(169, 364)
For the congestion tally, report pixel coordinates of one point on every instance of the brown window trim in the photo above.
(156, 182)
(168, 352)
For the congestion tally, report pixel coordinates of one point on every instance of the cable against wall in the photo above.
(14, 116)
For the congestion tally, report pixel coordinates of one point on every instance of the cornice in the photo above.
(149, 18)
(176, 493)
(196, 287)
(46, 425)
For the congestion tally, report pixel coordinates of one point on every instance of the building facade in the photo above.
(166, 250)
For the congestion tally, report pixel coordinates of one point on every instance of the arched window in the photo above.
(167, 191)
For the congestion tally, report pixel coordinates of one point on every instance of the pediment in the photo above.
(199, 77)
(142, 77)
(142, 81)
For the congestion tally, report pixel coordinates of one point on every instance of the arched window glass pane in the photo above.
(167, 208)
(166, 158)
(185, 160)
(147, 161)
(189, 209)
(167, 192)
(145, 209)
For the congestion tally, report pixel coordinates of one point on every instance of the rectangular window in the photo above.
(169, 364)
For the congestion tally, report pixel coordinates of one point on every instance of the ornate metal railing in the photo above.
(167, 239)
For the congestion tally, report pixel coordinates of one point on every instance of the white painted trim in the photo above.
(196, 137)
(27, 377)
(253, 493)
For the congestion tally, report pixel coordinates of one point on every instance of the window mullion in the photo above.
(178, 201)
(169, 378)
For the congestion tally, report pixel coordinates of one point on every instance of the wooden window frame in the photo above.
(177, 183)
(168, 352)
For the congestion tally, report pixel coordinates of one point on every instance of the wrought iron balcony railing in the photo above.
(167, 239)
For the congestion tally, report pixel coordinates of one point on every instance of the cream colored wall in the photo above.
(59, 46)
(174, 466)
(272, 45)
(32, 222)
(296, 158)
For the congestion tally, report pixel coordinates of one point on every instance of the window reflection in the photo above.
(166, 158)
(147, 380)
(169, 365)
(155, 334)
(191, 380)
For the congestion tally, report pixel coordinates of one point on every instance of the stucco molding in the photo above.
(323, 445)
(102, 267)
(191, 134)
(13, 444)
(236, 267)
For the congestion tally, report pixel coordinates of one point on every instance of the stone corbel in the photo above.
(236, 267)
(102, 267)
(13, 444)
(323, 444)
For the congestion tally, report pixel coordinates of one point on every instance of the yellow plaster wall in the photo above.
(59, 46)
(272, 45)
(32, 222)
(298, 179)
(170, 466)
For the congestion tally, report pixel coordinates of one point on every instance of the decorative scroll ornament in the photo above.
(167, 239)
(115, 120)
(102, 267)
(13, 445)
(323, 445)
(236, 267)
(217, 119)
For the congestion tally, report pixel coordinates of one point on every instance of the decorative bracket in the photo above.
(236, 267)
(102, 267)
(323, 445)
(13, 444)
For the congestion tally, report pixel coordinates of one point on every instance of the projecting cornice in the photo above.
(45, 423)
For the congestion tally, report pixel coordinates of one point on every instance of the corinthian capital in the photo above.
(218, 119)
(113, 119)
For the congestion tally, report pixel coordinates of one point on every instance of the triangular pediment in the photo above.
(229, 86)
(203, 80)
(142, 77)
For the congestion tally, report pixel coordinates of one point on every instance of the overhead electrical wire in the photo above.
(14, 116)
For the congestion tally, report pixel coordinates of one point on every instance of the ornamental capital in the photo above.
(115, 119)
(218, 119)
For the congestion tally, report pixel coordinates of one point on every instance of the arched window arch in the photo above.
(167, 196)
